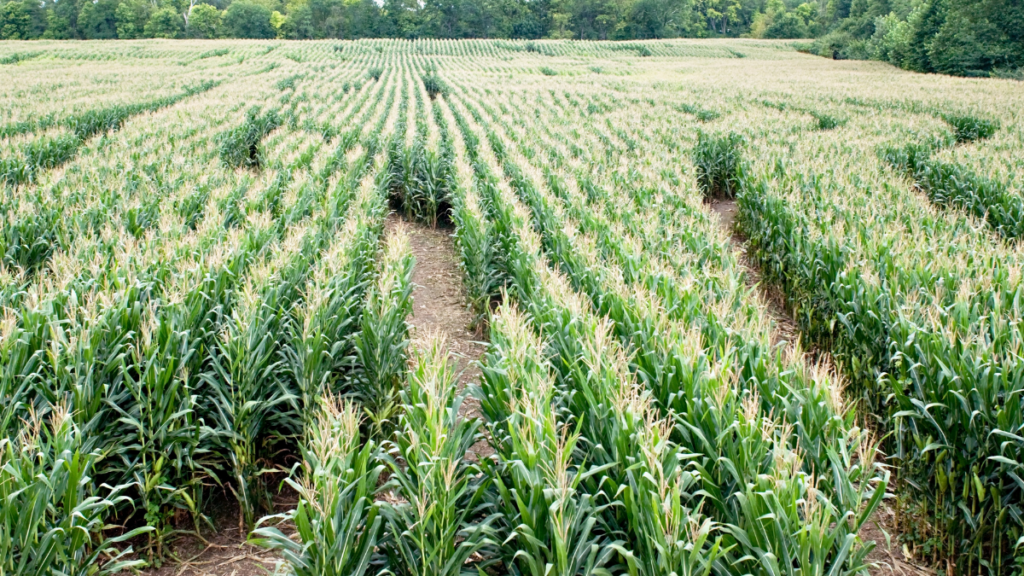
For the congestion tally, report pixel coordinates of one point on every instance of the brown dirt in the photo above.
(889, 559)
(226, 551)
(786, 329)
(440, 306)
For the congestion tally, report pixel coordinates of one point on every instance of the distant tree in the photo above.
(559, 16)
(61, 19)
(722, 16)
(515, 19)
(97, 20)
(277, 21)
(299, 23)
(925, 26)
(399, 18)
(245, 20)
(787, 25)
(131, 17)
(204, 22)
(364, 19)
(15, 22)
(809, 13)
(979, 36)
(661, 18)
(891, 41)
(22, 20)
(165, 23)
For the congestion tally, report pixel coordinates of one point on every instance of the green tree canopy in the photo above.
(203, 22)
(98, 20)
(15, 22)
(245, 20)
(165, 23)
(963, 37)
(131, 17)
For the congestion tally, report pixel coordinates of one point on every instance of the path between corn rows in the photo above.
(439, 306)
(890, 560)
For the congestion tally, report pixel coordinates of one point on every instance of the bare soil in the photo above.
(889, 557)
(786, 329)
(440, 306)
(225, 551)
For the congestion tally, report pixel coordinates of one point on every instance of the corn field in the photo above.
(201, 300)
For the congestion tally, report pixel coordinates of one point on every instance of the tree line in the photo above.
(959, 37)
(965, 37)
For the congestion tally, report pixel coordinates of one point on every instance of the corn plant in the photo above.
(51, 512)
(718, 164)
(436, 530)
(827, 122)
(920, 379)
(473, 235)
(433, 84)
(161, 423)
(971, 128)
(240, 146)
(337, 519)
(320, 350)
(429, 192)
(552, 524)
(647, 415)
(321, 334)
(613, 415)
(382, 340)
(247, 393)
(948, 184)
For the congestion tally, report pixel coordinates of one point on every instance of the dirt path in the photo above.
(889, 560)
(226, 552)
(775, 304)
(439, 305)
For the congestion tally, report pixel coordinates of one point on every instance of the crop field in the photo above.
(739, 310)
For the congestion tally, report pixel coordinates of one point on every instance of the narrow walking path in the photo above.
(439, 306)
(226, 552)
(889, 558)
(775, 304)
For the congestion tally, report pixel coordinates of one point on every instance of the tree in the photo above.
(245, 20)
(24, 18)
(519, 19)
(364, 19)
(788, 25)
(98, 20)
(398, 18)
(277, 21)
(15, 22)
(971, 41)
(925, 26)
(445, 18)
(131, 17)
(61, 19)
(891, 42)
(164, 23)
(204, 22)
(720, 15)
